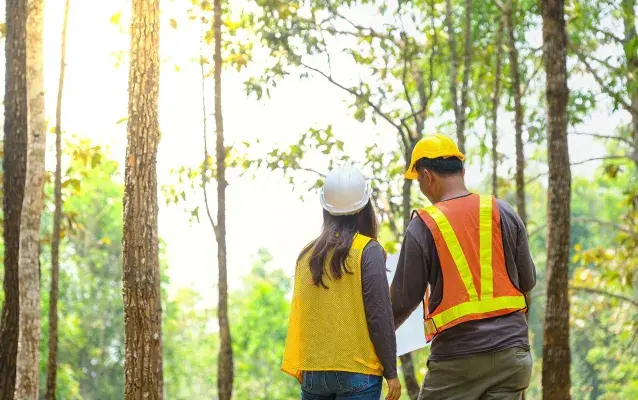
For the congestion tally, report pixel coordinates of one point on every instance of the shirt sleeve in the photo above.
(524, 262)
(522, 257)
(376, 299)
(411, 277)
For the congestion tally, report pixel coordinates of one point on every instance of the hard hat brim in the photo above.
(411, 171)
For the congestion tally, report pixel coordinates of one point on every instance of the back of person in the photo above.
(328, 327)
(341, 338)
(466, 258)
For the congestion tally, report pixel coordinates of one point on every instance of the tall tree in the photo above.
(460, 105)
(556, 351)
(57, 219)
(225, 361)
(14, 166)
(29, 261)
(496, 100)
(519, 116)
(141, 273)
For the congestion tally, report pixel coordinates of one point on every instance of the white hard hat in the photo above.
(345, 191)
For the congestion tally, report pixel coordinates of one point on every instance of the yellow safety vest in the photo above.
(328, 330)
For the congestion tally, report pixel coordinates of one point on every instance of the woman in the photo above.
(341, 338)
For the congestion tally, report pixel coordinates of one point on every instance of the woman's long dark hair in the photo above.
(337, 236)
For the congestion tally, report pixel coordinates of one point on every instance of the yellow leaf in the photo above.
(173, 23)
(115, 18)
(210, 35)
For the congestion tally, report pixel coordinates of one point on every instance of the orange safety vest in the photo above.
(476, 285)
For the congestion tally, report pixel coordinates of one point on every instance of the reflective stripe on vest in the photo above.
(477, 304)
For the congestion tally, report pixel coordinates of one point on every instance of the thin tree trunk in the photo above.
(460, 109)
(467, 60)
(57, 219)
(629, 21)
(14, 165)
(518, 112)
(225, 360)
(454, 90)
(141, 273)
(29, 261)
(556, 351)
(407, 363)
(496, 99)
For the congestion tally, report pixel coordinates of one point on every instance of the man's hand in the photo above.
(394, 389)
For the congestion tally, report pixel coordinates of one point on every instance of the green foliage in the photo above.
(190, 347)
(260, 323)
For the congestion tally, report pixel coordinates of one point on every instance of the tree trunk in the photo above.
(556, 351)
(14, 165)
(29, 261)
(518, 112)
(141, 274)
(629, 22)
(496, 99)
(407, 364)
(57, 219)
(460, 108)
(467, 60)
(225, 374)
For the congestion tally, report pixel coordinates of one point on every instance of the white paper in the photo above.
(411, 335)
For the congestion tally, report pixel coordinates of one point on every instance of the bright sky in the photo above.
(264, 212)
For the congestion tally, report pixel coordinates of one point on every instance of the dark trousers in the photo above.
(502, 375)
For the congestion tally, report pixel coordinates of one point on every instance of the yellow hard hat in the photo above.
(432, 146)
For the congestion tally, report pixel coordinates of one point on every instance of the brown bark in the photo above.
(629, 21)
(14, 166)
(519, 113)
(141, 273)
(225, 374)
(460, 108)
(57, 219)
(407, 364)
(556, 351)
(28, 358)
(496, 99)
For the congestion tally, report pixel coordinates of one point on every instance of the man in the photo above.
(467, 258)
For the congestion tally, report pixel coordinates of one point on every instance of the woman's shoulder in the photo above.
(374, 249)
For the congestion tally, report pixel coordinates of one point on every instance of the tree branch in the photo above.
(205, 131)
(588, 220)
(605, 89)
(311, 170)
(537, 69)
(600, 136)
(600, 159)
(353, 92)
(542, 174)
(609, 35)
(605, 293)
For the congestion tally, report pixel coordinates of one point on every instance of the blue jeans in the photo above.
(333, 385)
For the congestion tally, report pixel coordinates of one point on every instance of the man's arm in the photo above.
(524, 263)
(411, 277)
